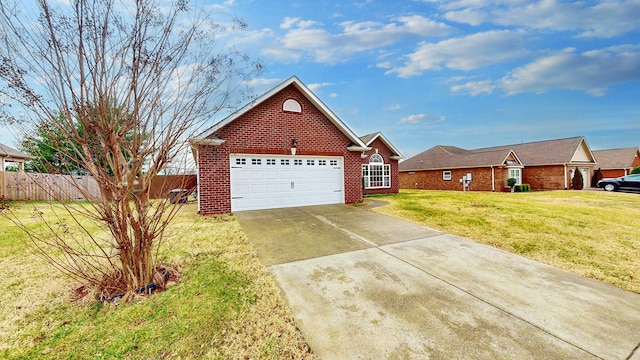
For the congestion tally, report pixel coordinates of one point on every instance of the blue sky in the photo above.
(468, 73)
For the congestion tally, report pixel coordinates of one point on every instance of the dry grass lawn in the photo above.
(227, 305)
(592, 233)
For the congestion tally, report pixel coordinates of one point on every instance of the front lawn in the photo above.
(592, 233)
(227, 305)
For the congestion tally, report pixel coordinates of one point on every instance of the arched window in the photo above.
(376, 174)
(292, 106)
(376, 158)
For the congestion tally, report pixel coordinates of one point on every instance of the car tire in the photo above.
(610, 187)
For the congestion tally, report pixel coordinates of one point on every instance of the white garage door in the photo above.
(276, 181)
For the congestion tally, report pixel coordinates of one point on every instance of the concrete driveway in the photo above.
(367, 286)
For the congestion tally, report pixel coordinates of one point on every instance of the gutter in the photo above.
(358, 148)
(213, 142)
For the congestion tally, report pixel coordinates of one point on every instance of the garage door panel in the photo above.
(265, 181)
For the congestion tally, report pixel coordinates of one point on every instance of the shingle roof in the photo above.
(549, 152)
(9, 152)
(616, 158)
(369, 138)
(442, 157)
(366, 138)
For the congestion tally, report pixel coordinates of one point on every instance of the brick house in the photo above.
(544, 165)
(617, 162)
(381, 159)
(284, 149)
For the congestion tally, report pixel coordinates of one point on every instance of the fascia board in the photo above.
(388, 144)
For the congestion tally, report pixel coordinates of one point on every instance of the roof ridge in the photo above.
(537, 142)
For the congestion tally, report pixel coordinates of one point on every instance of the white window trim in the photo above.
(519, 177)
(292, 105)
(446, 175)
(384, 176)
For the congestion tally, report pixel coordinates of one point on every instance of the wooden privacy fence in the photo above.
(47, 187)
(54, 187)
(161, 185)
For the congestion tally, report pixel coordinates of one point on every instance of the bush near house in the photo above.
(577, 183)
(597, 176)
(635, 170)
(522, 188)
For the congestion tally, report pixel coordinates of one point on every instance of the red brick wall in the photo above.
(384, 151)
(432, 179)
(267, 129)
(538, 177)
(550, 177)
(613, 173)
(636, 161)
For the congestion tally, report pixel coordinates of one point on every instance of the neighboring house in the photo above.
(380, 167)
(285, 149)
(11, 155)
(544, 165)
(617, 162)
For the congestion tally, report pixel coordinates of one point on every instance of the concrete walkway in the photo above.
(367, 286)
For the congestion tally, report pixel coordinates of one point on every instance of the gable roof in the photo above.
(616, 158)
(11, 153)
(358, 145)
(549, 152)
(552, 152)
(370, 138)
(449, 157)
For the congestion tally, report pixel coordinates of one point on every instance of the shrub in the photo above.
(597, 176)
(577, 181)
(635, 170)
(511, 182)
(522, 188)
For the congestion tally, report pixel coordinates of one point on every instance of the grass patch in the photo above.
(592, 233)
(227, 305)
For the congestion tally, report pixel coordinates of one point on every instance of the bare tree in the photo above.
(123, 84)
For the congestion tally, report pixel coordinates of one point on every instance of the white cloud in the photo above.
(262, 85)
(316, 86)
(591, 71)
(475, 87)
(464, 53)
(333, 95)
(385, 65)
(605, 18)
(288, 22)
(422, 118)
(467, 16)
(392, 107)
(225, 5)
(309, 38)
(251, 37)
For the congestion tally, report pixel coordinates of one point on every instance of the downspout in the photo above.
(566, 186)
(198, 176)
(493, 179)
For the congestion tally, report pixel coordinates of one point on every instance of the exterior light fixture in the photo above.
(294, 144)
